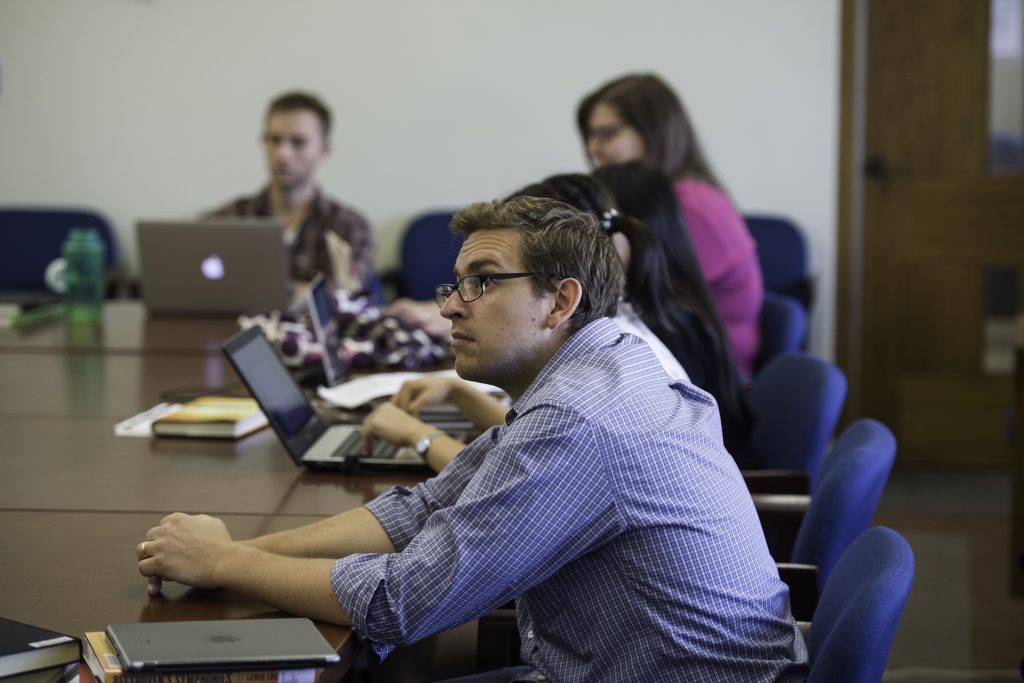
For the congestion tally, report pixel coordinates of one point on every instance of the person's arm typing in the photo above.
(394, 425)
(483, 410)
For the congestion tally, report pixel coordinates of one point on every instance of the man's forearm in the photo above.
(296, 585)
(483, 410)
(354, 531)
(442, 451)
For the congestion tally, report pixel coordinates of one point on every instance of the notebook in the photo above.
(322, 310)
(228, 645)
(309, 440)
(216, 266)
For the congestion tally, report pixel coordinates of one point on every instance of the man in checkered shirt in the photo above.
(605, 505)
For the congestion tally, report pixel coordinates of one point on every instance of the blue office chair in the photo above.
(844, 502)
(429, 250)
(782, 251)
(32, 238)
(846, 496)
(796, 400)
(783, 327)
(860, 608)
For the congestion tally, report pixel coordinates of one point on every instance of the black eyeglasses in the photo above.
(472, 287)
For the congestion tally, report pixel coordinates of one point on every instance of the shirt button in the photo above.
(529, 634)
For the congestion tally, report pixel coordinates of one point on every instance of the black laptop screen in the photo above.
(325, 325)
(286, 407)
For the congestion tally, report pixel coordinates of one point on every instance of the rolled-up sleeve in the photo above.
(534, 504)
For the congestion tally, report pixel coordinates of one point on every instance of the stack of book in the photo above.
(242, 651)
(29, 654)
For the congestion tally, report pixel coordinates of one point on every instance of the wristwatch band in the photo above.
(423, 445)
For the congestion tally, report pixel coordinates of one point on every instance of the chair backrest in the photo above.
(32, 238)
(846, 496)
(782, 251)
(783, 327)
(796, 400)
(860, 608)
(429, 250)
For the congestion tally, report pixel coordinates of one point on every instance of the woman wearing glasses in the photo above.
(639, 118)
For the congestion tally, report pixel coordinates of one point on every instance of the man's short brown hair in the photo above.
(556, 241)
(302, 101)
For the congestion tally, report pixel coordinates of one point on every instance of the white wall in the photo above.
(152, 108)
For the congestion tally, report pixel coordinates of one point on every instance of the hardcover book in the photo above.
(212, 416)
(25, 648)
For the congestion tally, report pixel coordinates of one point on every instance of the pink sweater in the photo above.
(728, 257)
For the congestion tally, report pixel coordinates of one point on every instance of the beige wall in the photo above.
(151, 108)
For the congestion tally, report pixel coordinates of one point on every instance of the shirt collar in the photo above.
(600, 333)
(317, 208)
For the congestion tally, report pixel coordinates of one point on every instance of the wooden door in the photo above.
(926, 221)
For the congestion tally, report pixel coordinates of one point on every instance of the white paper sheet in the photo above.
(362, 390)
(141, 425)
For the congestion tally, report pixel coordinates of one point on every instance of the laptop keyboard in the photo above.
(353, 446)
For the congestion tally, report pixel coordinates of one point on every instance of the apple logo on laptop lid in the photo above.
(212, 267)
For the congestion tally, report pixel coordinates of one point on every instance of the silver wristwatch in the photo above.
(423, 445)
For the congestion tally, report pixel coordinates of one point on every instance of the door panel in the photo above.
(953, 421)
(934, 222)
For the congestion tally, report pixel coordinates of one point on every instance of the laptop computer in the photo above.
(221, 266)
(325, 329)
(309, 440)
(226, 645)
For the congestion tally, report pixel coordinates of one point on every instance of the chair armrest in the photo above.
(777, 481)
(802, 580)
(780, 510)
(780, 516)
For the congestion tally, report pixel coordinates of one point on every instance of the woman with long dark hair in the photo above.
(639, 118)
(675, 301)
(665, 289)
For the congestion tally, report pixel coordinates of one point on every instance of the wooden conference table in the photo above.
(75, 500)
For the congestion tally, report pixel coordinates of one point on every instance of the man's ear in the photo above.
(566, 300)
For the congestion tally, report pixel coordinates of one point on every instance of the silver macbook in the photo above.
(227, 645)
(215, 266)
(309, 440)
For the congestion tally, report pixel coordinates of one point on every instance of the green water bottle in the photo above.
(84, 275)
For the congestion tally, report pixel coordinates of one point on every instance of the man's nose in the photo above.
(593, 147)
(282, 151)
(453, 306)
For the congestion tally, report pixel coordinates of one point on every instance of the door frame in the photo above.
(850, 219)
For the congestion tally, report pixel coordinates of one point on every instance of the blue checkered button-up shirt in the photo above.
(608, 507)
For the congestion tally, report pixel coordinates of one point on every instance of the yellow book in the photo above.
(105, 667)
(212, 416)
